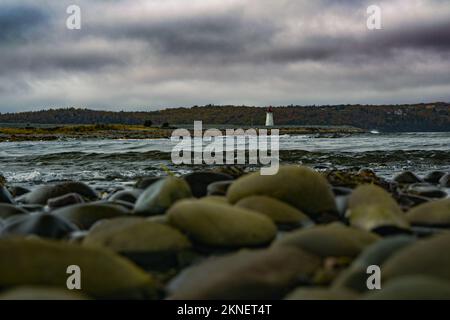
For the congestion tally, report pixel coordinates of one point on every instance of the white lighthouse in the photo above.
(269, 117)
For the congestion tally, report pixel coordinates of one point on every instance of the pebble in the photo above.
(44, 263)
(85, 215)
(434, 177)
(332, 240)
(432, 214)
(445, 181)
(42, 194)
(161, 195)
(426, 190)
(130, 196)
(219, 225)
(218, 188)
(301, 187)
(45, 225)
(371, 208)
(7, 210)
(407, 177)
(5, 196)
(282, 214)
(65, 200)
(250, 275)
(149, 244)
(199, 181)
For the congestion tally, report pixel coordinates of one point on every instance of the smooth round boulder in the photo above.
(44, 225)
(431, 214)
(17, 191)
(332, 240)
(425, 257)
(7, 210)
(445, 181)
(371, 208)
(199, 181)
(130, 195)
(213, 224)
(281, 213)
(412, 288)
(426, 190)
(105, 275)
(5, 196)
(355, 276)
(407, 177)
(85, 215)
(249, 275)
(434, 177)
(149, 244)
(301, 187)
(42, 194)
(65, 200)
(145, 182)
(219, 188)
(161, 195)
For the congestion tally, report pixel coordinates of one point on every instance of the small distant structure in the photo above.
(269, 117)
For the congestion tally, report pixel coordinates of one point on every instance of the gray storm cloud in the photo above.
(135, 55)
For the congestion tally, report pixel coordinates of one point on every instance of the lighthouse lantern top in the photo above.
(270, 110)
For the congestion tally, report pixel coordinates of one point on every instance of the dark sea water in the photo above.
(107, 162)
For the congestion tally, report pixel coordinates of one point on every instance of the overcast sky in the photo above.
(152, 54)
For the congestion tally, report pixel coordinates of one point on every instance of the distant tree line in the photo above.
(418, 117)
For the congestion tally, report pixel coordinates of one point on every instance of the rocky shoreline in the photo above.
(15, 134)
(228, 234)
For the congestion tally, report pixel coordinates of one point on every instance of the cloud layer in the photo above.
(136, 54)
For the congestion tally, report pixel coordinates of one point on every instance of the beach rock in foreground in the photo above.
(434, 177)
(145, 182)
(433, 214)
(130, 196)
(65, 200)
(426, 190)
(45, 225)
(426, 257)
(8, 210)
(161, 195)
(371, 208)
(445, 181)
(199, 181)
(407, 177)
(282, 214)
(355, 276)
(332, 240)
(218, 188)
(40, 293)
(34, 262)
(260, 274)
(214, 224)
(5, 196)
(85, 215)
(151, 245)
(301, 187)
(42, 194)
(412, 288)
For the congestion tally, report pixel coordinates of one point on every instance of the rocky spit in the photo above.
(298, 235)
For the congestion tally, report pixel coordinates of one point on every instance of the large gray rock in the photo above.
(42, 194)
(301, 187)
(261, 274)
(161, 195)
(199, 181)
(434, 214)
(215, 224)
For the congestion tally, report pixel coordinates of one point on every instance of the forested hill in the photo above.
(420, 117)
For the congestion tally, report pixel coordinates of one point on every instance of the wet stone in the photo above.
(151, 245)
(282, 214)
(427, 190)
(301, 187)
(5, 196)
(7, 210)
(259, 274)
(42, 194)
(434, 177)
(85, 215)
(126, 195)
(45, 225)
(199, 181)
(445, 181)
(218, 188)
(17, 191)
(106, 275)
(332, 240)
(213, 224)
(431, 214)
(407, 177)
(161, 195)
(65, 200)
(145, 182)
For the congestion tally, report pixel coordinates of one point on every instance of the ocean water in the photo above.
(111, 162)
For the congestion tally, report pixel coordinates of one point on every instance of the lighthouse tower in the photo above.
(269, 117)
